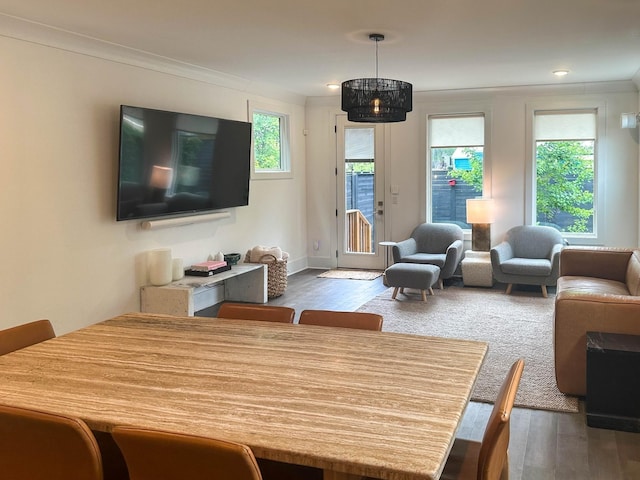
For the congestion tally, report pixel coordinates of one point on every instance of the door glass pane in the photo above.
(359, 190)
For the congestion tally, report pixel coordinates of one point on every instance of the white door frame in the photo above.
(344, 259)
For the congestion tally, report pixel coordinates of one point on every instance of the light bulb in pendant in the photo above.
(375, 103)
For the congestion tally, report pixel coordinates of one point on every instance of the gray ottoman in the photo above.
(412, 275)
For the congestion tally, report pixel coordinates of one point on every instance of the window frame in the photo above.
(599, 153)
(286, 170)
(464, 110)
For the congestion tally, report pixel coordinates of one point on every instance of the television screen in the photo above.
(176, 163)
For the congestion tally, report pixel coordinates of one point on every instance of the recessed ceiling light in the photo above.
(561, 73)
(333, 86)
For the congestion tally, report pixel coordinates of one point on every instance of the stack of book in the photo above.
(206, 269)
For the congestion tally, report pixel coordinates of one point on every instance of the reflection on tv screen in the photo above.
(176, 163)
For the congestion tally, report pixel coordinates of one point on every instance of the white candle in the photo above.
(178, 269)
(160, 266)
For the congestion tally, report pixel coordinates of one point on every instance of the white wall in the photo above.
(405, 165)
(64, 257)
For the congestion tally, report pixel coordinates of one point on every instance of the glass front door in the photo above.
(360, 183)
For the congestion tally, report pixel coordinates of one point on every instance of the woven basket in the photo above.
(276, 273)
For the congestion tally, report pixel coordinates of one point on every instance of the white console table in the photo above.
(243, 283)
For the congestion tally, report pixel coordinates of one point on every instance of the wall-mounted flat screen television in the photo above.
(173, 164)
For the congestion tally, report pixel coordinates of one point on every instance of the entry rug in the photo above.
(352, 274)
(515, 326)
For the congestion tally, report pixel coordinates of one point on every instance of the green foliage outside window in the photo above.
(564, 169)
(267, 147)
(359, 167)
(472, 176)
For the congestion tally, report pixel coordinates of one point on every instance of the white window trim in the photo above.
(598, 184)
(285, 140)
(453, 110)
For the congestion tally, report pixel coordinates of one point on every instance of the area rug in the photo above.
(351, 274)
(519, 325)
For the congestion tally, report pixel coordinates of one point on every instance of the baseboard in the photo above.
(297, 265)
(321, 262)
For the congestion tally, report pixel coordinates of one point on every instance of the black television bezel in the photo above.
(182, 213)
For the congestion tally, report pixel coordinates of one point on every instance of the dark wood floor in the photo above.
(543, 445)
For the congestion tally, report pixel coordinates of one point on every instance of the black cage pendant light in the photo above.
(376, 100)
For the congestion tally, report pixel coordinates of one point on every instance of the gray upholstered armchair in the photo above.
(529, 255)
(437, 244)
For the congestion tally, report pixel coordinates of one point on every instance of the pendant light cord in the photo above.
(376, 37)
(377, 41)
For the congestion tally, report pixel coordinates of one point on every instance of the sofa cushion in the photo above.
(437, 259)
(633, 274)
(569, 286)
(537, 267)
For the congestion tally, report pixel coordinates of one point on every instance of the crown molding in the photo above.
(46, 35)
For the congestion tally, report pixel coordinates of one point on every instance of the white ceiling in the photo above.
(300, 46)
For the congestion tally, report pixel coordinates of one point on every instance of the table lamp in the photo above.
(480, 216)
(161, 178)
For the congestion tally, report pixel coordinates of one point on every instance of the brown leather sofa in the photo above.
(598, 290)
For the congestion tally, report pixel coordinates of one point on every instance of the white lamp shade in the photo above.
(479, 210)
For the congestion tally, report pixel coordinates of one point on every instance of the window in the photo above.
(271, 157)
(565, 159)
(456, 150)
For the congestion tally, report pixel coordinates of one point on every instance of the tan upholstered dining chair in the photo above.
(487, 460)
(37, 445)
(251, 311)
(160, 455)
(21, 336)
(332, 318)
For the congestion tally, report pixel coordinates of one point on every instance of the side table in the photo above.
(476, 269)
(386, 253)
(613, 385)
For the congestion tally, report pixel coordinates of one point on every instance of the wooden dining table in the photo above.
(351, 402)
